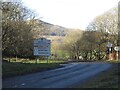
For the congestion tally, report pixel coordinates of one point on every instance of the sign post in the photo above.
(117, 49)
(109, 51)
(42, 47)
(109, 45)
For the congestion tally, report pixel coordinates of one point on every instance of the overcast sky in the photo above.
(70, 13)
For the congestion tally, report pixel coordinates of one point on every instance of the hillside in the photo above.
(50, 29)
(53, 32)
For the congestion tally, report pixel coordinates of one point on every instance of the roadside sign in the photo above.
(116, 48)
(109, 45)
(42, 47)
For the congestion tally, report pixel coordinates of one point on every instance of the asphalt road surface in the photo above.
(66, 77)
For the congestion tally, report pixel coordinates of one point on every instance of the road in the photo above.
(65, 77)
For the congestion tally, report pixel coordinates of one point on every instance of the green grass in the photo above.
(61, 54)
(22, 60)
(113, 61)
(17, 68)
(106, 79)
(45, 61)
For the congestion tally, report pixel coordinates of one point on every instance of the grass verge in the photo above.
(18, 68)
(106, 79)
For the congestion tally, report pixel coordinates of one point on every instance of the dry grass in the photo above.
(106, 79)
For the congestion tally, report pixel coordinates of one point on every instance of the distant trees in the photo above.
(106, 26)
(72, 44)
(87, 44)
(17, 37)
(119, 23)
(92, 43)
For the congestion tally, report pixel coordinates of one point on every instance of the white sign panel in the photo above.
(42, 47)
(116, 48)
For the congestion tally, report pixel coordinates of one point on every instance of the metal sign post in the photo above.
(109, 45)
(117, 49)
(109, 51)
(42, 47)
